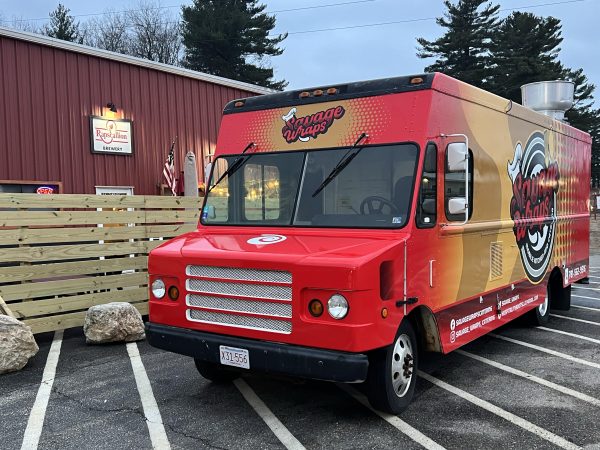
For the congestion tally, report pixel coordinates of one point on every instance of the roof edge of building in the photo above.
(92, 51)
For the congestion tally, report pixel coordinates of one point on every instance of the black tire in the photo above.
(560, 296)
(390, 388)
(215, 372)
(540, 314)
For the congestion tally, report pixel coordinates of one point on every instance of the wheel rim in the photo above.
(543, 308)
(402, 365)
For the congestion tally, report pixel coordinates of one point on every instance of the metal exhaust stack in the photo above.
(551, 98)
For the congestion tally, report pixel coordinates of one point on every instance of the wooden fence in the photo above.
(61, 254)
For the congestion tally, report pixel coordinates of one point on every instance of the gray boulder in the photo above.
(17, 344)
(113, 322)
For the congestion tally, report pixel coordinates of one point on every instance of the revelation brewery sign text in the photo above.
(113, 136)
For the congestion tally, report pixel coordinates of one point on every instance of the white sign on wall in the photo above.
(112, 136)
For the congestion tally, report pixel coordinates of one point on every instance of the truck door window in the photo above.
(454, 186)
(261, 186)
(427, 202)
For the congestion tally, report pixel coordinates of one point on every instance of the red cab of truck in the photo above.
(348, 228)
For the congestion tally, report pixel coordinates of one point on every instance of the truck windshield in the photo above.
(277, 189)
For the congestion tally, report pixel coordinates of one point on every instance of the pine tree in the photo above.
(222, 36)
(63, 26)
(463, 51)
(524, 50)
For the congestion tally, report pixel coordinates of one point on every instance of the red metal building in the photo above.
(50, 89)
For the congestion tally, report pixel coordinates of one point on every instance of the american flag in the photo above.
(169, 169)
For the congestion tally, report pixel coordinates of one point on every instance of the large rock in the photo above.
(113, 322)
(17, 344)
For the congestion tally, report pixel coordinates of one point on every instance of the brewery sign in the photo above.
(111, 136)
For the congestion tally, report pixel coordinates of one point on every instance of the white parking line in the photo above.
(593, 276)
(586, 288)
(585, 307)
(577, 336)
(546, 350)
(583, 296)
(549, 384)
(31, 438)
(278, 428)
(395, 421)
(512, 418)
(576, 320)
(158, 436)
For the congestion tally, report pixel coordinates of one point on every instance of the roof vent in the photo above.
(551, 98)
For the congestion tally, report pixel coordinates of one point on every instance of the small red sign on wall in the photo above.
(45, 190)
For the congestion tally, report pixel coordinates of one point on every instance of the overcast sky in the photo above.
(366, 44)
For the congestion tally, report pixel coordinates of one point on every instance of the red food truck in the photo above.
(349, 228)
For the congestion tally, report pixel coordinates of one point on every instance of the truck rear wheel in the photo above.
(541, 314)
(560, 296)
(215, 372)
(392, 372)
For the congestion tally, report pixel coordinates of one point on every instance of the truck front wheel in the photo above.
(392, 372)
(215, 372)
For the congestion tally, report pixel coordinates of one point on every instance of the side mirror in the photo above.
(428, 206)
(458, 154)
(457, 205)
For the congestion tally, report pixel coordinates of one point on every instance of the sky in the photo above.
(371, 38)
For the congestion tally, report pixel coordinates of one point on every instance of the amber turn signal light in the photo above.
(315, 307)
(416, 80)
(304, 94)
(384, 313)
(331, 91)
(173, 293)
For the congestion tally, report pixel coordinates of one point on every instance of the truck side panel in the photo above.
(530, 214)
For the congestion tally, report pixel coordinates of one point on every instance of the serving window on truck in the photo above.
(303, 189)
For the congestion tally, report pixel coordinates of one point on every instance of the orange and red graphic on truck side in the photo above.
(527, 230)
(533, 205)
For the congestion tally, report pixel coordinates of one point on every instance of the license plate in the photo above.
(236, 357)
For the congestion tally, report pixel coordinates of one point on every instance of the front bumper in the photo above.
(304, 362)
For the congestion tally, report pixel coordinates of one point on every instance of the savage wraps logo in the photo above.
(265, 239)
(533, 205)
(303, 128)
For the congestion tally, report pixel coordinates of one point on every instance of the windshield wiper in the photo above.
(235, 166)
(341, 165)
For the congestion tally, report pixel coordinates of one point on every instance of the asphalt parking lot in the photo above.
(519, 388)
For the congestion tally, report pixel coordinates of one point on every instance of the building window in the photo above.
(30, 187)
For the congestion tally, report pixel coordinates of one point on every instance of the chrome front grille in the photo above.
(255, 323)
(240, 305)
(244, 298)
(265, 291)
(235, 273)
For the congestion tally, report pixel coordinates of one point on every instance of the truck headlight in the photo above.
(158, 288)
(337, 306)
